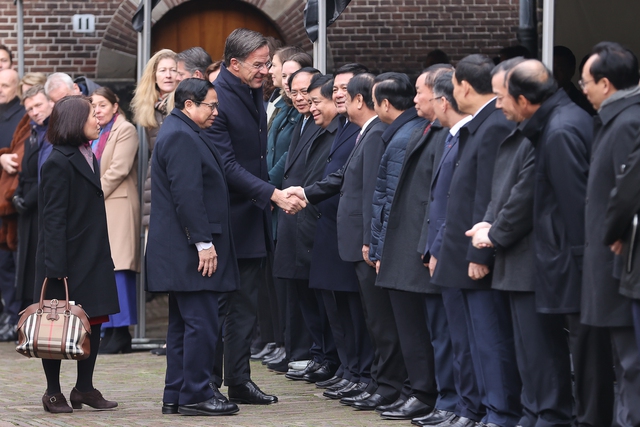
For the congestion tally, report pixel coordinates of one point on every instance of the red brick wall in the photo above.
(382, 34)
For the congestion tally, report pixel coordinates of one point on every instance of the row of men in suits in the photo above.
(489, 189)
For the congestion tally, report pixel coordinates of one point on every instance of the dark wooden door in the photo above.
(207, 24)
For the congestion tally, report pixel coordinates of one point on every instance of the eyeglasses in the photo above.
(295, 93)
(213, 105)
(258, 67)
(583, 83)
(437, 98)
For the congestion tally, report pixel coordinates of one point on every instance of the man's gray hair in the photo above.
(56, 80)
(195, 59)
(241, 43)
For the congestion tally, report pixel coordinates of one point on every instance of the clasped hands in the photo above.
(291, 200)
(479, 239)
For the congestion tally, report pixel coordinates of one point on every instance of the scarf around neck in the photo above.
(97, 145)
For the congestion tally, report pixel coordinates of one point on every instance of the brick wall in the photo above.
(382, 34)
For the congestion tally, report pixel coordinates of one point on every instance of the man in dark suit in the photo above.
(335, 278)
(562, 133)
(460, 265)
(190, 250)
(240, 134)
(507, 226)
(612, 86)
(305, 163)
(354, 183)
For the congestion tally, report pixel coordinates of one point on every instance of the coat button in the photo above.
(286, 177)
(253, 200)
(457, 163)
(329, 159)
(262, 157)
(341, 193)
(428, 221)
(99, 193)
(319, 215)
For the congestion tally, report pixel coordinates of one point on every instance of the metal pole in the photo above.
(548, 25)
(144, 48)
(20, 38)
(320, 46)
(528, 29)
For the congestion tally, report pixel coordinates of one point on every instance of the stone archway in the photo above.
(117, 52)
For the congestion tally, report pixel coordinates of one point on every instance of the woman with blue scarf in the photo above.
(116, 150)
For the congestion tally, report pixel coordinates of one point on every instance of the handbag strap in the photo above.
(44, 289)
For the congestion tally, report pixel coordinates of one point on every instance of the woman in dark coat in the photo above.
(73, 241)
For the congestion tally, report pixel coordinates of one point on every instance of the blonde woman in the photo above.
(29, 80)
(150, 105)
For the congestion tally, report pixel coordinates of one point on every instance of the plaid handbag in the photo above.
(54, 329)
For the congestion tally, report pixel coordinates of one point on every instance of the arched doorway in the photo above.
(207, 24)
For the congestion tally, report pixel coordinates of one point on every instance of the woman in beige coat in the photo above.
(117, 153)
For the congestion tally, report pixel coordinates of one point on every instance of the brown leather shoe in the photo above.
(92, 398)
(56, 404)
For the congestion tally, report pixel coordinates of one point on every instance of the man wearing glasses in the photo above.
(240, 134)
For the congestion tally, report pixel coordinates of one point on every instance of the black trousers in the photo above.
(627, 363)
(592, 361)
(388, 372)
(271, 307)
(542, 352)
(415, 343)
(191, 340)
(240, 310)
(297, 340)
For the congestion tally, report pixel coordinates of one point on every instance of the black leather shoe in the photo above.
(216, 393)
(169, 408)
(412, 408)
(339, 385)
(281, 367)
(328, 383)
(312, 366)
(352, 390)
(209, 407)
(458, 422)
(323, 373)
(371, 403)
(349, 401)
(267, 349)
(434, 418)
(395, 405)
(251, 394)
(332, 392)
(276, 356)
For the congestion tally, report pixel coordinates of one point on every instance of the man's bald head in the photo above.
(532, 80)
(8, 85)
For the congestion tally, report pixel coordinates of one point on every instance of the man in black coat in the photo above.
(610, 80)
(354, 183)
(240, 134)
(507, 226)
(11, 111)
(306, 159)
(561, 133)
(462, 266)
(190, 249)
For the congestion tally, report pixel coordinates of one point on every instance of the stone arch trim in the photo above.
(118, 48)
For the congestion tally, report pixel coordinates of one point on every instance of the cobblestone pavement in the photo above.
(136, 381)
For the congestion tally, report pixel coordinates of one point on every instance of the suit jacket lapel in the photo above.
(309, 134)
(444, 156)
(78, 161)
(344, 135)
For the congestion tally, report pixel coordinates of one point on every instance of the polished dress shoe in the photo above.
(250, 393)
(92, 398)
(371, 403)
(56, 404)
(342, 383)
(209, 407)
(299, 375)
(352, 390)
(281, 367)
(332, 392)
(169, 408)
(161, 351)
(434, 418)
(410, 409)
(349, 401)
(328, 383)
(398, 403)
(323, 373)
(216, 393)
(458, 422)
(278, 355)
(268, 348)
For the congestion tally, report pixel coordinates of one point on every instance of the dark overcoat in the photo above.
(470, 194)
(9, 119)
(240, 135)
(354, 183)
(401, 265)
(190, 205)
(616, 131)
(73, 239)
(328, 271)
(561, 133)
(305, 163)
(510, 214)
(28, 220)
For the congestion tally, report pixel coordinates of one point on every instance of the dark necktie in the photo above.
(358, 138)
(447, 142)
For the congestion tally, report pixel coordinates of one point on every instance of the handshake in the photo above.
(291, 200)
